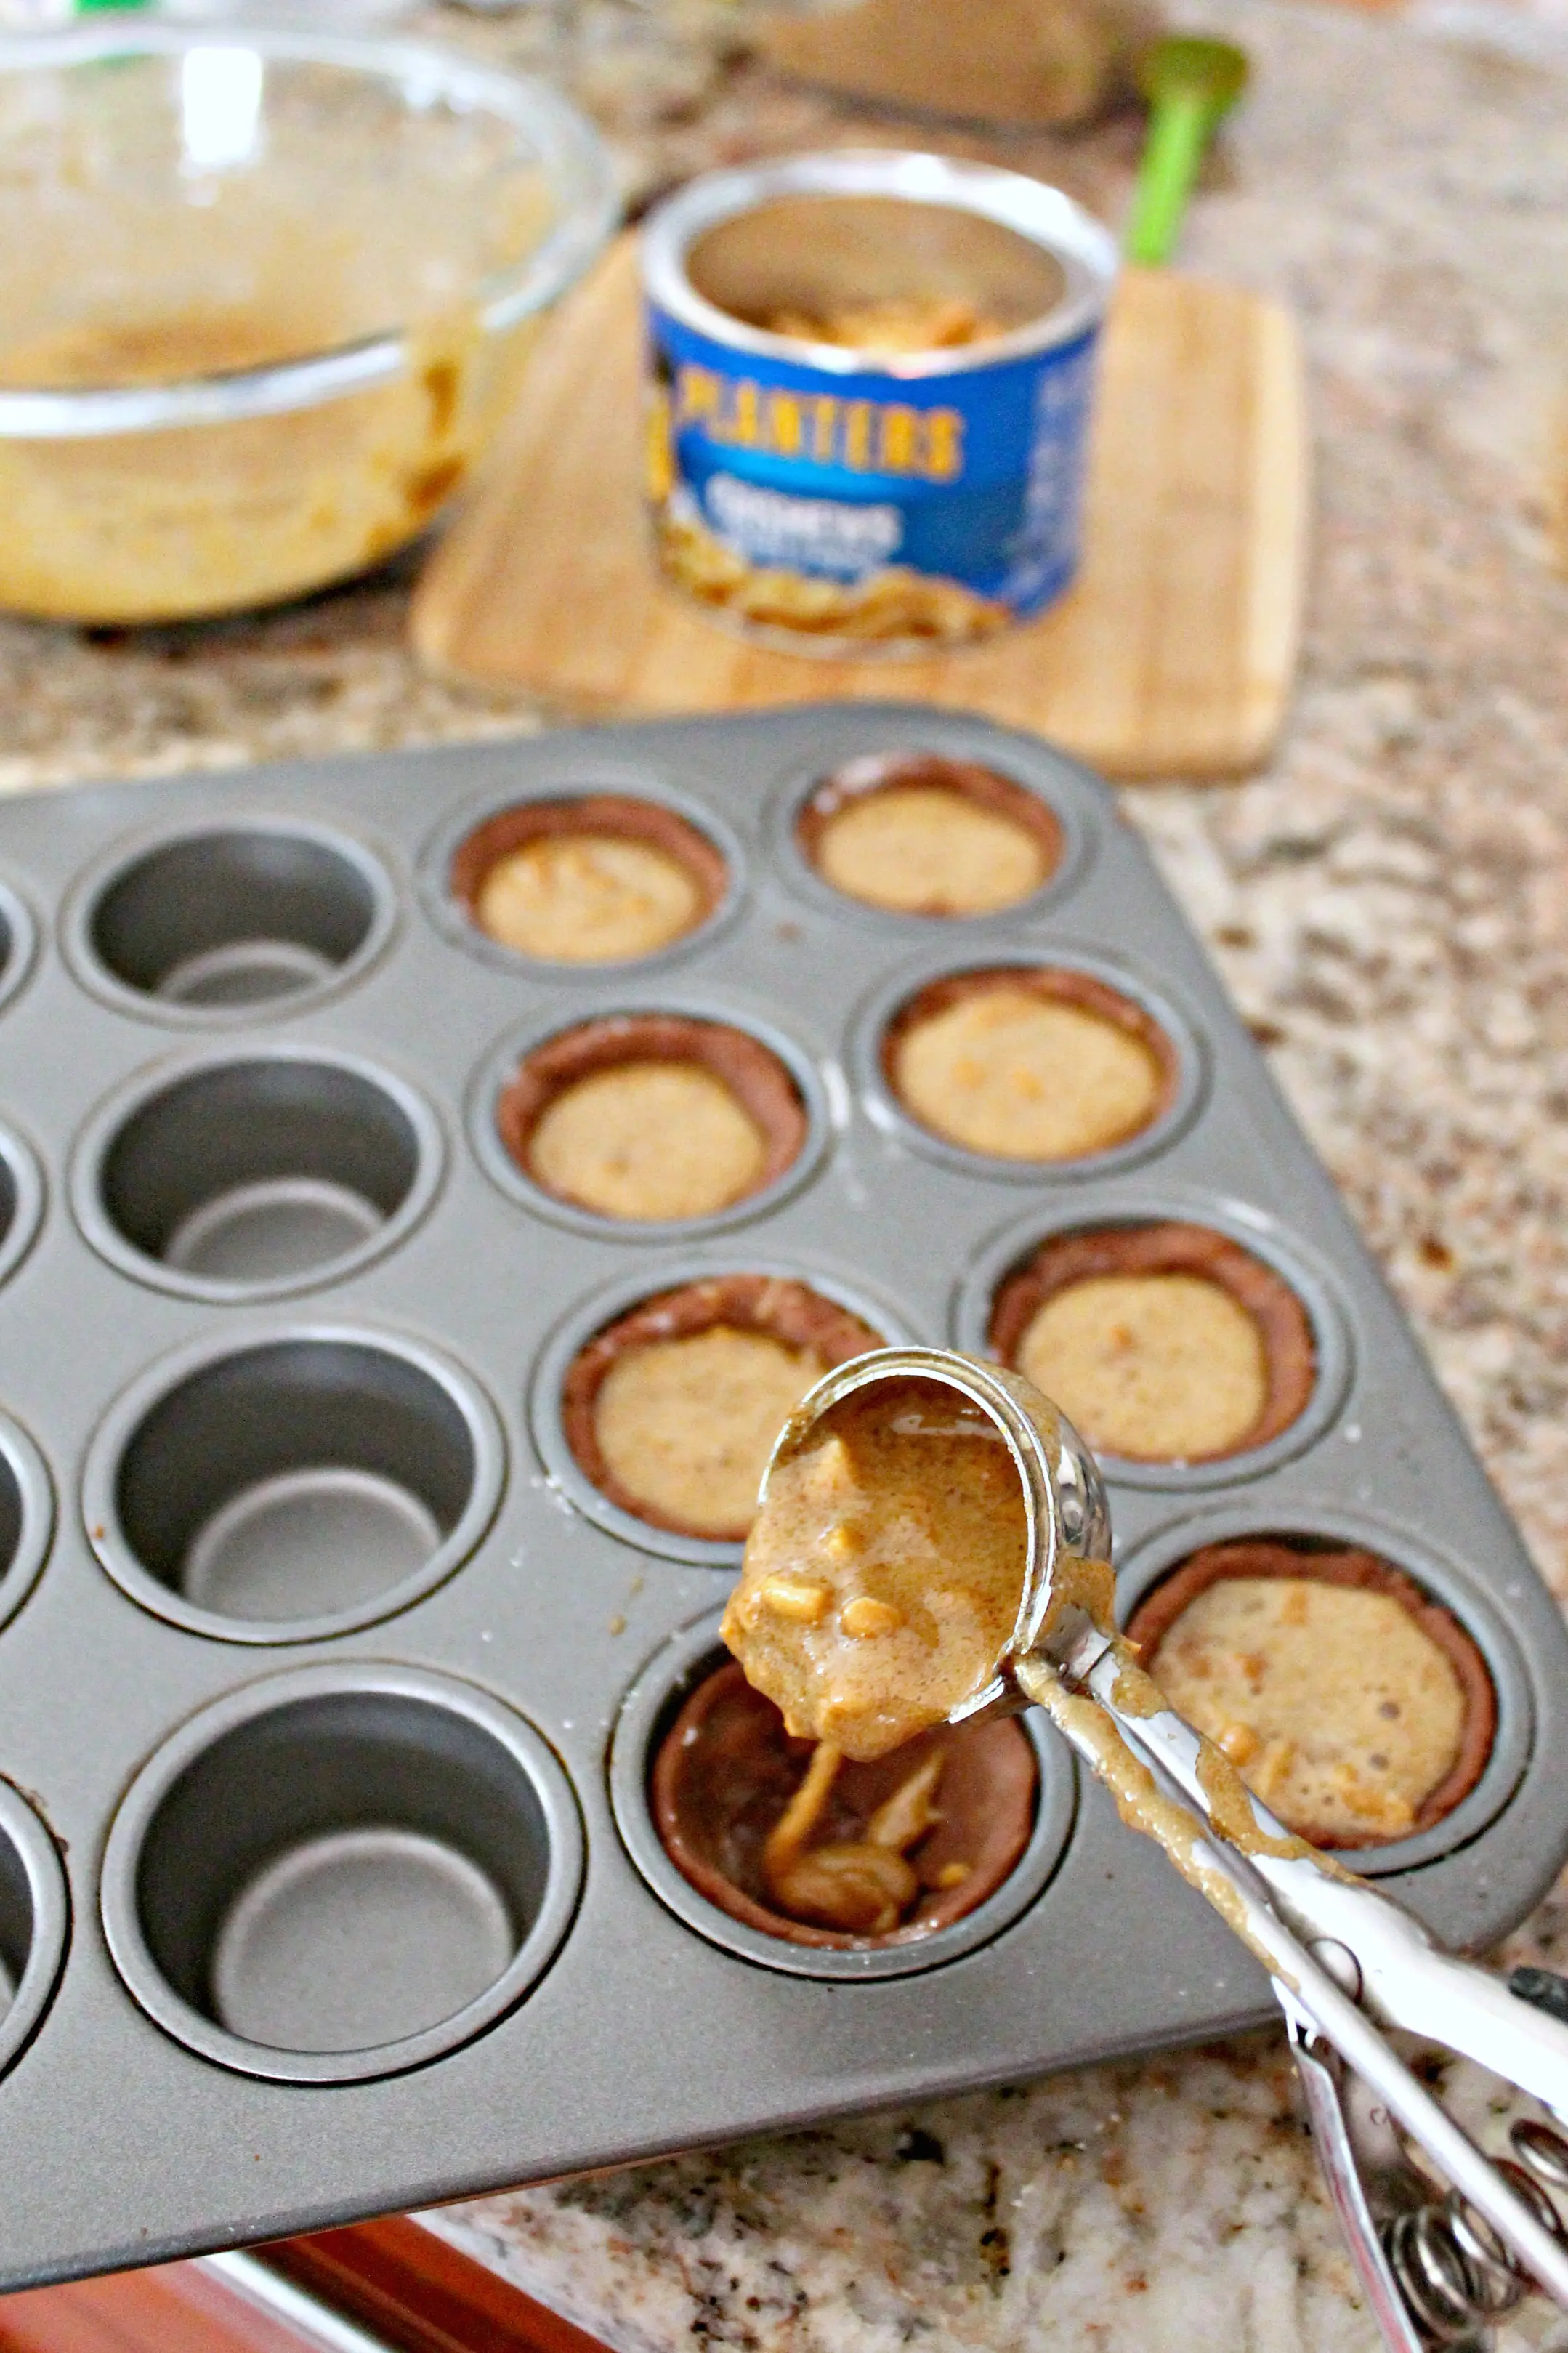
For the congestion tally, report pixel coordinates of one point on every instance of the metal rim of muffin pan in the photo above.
(173, 1909)
(18, 940)
(516, 1183)
(27, 1501)
(1079, 847)
(1240, 1221)
(663, 1683)
(1157, 1555)
(592, 774)
(160, 1436)
(35, 1922)
(306, 974)
(617, 1299)
(173, 1090)
(22, 1200)
(870, 1023)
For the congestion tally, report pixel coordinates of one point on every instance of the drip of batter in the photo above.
(865, 1885)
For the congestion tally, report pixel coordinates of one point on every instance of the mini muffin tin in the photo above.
(329, 1687)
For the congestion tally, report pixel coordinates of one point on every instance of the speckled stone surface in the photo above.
(1389, 904)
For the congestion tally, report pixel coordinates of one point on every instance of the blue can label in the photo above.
(866, 505)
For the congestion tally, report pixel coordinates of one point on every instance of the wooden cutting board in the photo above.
(1172, 657)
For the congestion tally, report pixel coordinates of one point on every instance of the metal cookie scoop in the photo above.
(1344, 1960)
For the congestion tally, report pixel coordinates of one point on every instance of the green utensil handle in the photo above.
(1178, 134)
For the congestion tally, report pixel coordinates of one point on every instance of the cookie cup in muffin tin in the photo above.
(507, 1171)
(1251, 1229)
(789, 823)
(1159, 1555)
(647, 1713)
(585, 781)
(1184, 1088)
(605, 1307)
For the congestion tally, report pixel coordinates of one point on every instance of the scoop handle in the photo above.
(1402, 1978)
(1308, 1952)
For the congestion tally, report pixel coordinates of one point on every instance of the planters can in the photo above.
(868, 397)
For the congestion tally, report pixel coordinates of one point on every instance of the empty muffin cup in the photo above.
(26, 1516)
(246, 1176)
(336, 1875)
(217, 923)
(1031, 1064)
(293, 1487)
(1357, 1707)
(1161, 1342)
(900, 1850)
(33, 1922)
(18, 940)
(652, 1117)
(671, 1410)
(920, 833)
(594, 878)
(21, 1201)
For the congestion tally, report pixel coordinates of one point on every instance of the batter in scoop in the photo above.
(884, 1573)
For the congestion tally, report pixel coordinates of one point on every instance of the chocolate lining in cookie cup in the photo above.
(587, 877)
(1354, 1705)
(1031, 1068)
(670, 1411)
(642, 1119)
(693, 1682)
(726, 1771)
(925, 834)
(1160, 1341)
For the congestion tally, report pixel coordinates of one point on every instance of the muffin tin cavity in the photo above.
(649, 1123)
(21, 1201)
(35, 1921)
(587, 877)
(671, 1410)
(660, 1750)
(246, 1176)
(26, 1516)
(217, 924)
(18, 942)
(1030, 1070)
(338, 1874)
(294, 1486)
(921, 834)
(1123, 1318)
(1446, 1621)
(655, 1406)
(944, 1820)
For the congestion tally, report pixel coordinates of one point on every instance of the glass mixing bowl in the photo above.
(265, 294)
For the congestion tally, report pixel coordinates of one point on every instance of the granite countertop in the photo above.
(1389, 903)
